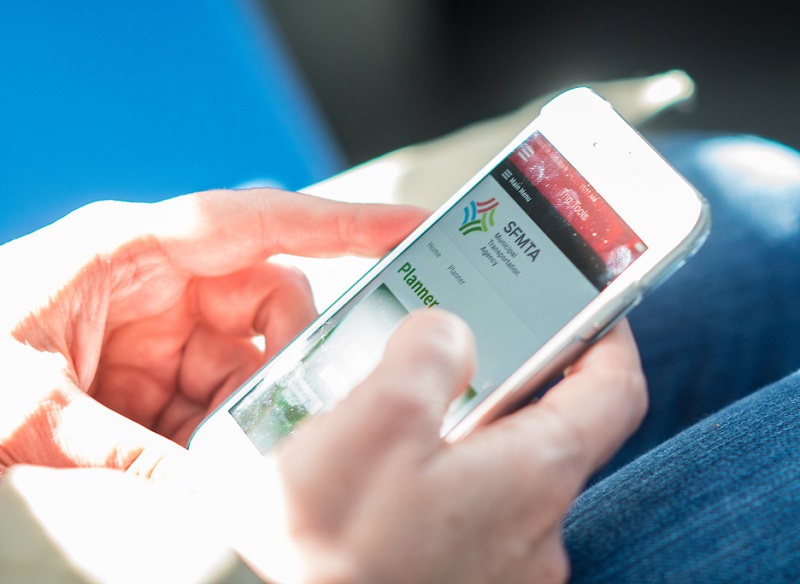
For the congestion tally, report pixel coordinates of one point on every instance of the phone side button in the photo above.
(598, 331)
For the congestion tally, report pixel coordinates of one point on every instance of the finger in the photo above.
(603, 398)
(547, 561)
(172, 401)
(581, 421)
(139, 364)
(210, 233)
(387, 424)
(214, 365)
(540, 456)
(268, 299)
(211, 360)
(428, 361)
(220, 231)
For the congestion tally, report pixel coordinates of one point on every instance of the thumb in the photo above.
(428, 362)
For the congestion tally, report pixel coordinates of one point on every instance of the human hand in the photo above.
(167, 296)
(126, 318)
(369, 492)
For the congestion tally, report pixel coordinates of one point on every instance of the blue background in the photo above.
(145, 99)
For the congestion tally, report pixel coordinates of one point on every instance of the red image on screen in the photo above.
(579, 203)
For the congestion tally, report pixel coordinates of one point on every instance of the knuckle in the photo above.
(569, 441)
(397, 408)
(294, 279)
(551, 560)
(344, 229)
(545, 560)
(630, 387)
(565, 457)
(555, 569)
(399, 401)
(637, 392)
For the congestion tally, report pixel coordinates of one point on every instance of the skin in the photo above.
(127, 324)
(150, 312)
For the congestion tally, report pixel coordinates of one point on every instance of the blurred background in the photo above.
(392, 72)
(145, 99)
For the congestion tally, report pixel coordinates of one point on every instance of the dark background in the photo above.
(387, 73)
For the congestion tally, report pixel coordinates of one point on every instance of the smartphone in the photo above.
(542, 252)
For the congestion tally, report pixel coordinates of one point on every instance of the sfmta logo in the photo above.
(478, 216)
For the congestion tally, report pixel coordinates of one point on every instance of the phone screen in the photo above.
(517, 257)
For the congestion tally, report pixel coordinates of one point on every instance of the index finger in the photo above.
(221, 231)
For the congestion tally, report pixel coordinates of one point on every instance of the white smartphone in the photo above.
(553, 242)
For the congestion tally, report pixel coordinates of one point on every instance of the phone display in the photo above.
(533, 255)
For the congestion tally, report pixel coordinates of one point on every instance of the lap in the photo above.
(718, 502)
(709, 488)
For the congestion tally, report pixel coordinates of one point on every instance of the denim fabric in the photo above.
(718, 500)
(718, 503)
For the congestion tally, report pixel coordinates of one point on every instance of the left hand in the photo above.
(125, 324)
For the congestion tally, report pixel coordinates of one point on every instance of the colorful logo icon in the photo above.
(478, 216)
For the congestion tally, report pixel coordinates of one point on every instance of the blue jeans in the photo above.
(709, 488)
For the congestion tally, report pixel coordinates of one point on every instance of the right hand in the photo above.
(371, 493)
